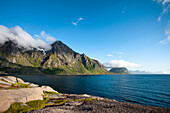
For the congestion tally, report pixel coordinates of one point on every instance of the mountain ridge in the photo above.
(60, 60)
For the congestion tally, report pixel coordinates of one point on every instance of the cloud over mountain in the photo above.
(23, 39)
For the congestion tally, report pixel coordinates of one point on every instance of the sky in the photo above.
(119, 33)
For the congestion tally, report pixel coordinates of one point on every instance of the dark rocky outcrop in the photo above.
(119, 70)
(59, 60)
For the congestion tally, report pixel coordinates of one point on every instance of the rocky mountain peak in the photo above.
(61, 59)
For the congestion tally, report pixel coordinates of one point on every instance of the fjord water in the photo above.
(151, 90)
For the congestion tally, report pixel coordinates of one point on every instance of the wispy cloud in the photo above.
(109, 55)
(165, 5)
(167, 32)
(118, 52)
(77, 21)
(46, 37)
(120, 63)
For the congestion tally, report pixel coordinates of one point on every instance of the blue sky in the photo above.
(133, 33)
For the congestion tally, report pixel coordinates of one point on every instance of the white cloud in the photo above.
(109, 55)
(77, 21)
(120, 63)
(80, 19)
(165, 5)
(159, 18)
(165, 1)
(120, 57)
(23, 39)
(165, 71)
(74, 23)
(165, 40)
(120, 53)
(46, 37)
(167, 32)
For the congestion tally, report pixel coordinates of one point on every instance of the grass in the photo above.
(18, 107)
(59, 102)
(19, 85)
(50, 93)
(86, 99)
(62, 101)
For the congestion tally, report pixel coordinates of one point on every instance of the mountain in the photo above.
(140, 72)
(119, 70)
(60, 59)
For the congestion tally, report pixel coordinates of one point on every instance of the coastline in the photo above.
(69, 102)
(13, 74)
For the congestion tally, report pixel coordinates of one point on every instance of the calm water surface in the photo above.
(139, 89)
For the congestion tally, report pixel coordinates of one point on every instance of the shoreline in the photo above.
(59, 102)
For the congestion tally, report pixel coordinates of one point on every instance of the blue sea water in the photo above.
(148, 89)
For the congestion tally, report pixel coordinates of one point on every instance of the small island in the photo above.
(119, 70)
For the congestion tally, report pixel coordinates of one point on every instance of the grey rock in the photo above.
(20, 80)
(2, 82)
(56, 96)
(12, 78)
(26, 83)
(7, 97)
(33, 85)
(8, 80)
(48, 88)
(74, 103)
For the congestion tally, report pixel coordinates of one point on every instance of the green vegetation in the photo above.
(59, 102)
(38, 104)
(19, 107)
(62, 101)
(20, 85)
(86, 99)
(54, 71)
(50, 93)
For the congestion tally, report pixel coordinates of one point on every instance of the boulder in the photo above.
(48, 88)
(20, 80)
(2, 86)
(26, 83)
(33, 85)
(7, 97)
(8, 80)
(12, 78)
(6, 83)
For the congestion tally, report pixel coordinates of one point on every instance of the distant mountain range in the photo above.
(60, 60)
(139, 72)
(123, 70)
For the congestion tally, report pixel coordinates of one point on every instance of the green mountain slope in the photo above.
(59, 60)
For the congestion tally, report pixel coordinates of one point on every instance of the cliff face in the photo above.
(119, 70)
(59, 60)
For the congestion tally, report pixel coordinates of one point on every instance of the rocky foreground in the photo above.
(19, 96)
